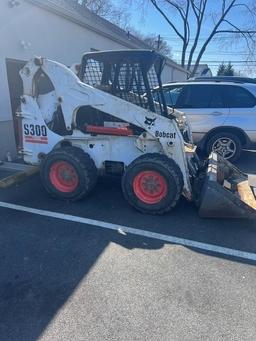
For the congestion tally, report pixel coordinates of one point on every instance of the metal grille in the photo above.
(129, 84)
(152, 78)
(154, 82)
(93, 72)
(124, 80)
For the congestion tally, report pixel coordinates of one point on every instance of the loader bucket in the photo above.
(226, 192)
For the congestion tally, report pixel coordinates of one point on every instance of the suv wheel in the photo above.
(228, 145)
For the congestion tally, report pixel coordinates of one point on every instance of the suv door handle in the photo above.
(216, 113)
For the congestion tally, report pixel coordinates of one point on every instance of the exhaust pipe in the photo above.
(226, 192)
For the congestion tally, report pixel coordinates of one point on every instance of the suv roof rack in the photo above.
(232, 79)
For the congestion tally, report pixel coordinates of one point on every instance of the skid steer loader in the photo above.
(104, 120)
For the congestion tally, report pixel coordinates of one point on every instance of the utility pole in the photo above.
(158, 42)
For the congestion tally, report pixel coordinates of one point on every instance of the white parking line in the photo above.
(125, 229)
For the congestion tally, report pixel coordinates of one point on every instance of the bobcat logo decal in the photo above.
(150, 121)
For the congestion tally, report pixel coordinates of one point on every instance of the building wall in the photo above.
(171, 74)
(7, 139)
(27, 30)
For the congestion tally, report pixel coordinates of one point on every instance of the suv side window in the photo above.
(202, 96)
(172, 94)
(239, 97)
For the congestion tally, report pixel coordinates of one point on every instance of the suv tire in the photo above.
(227, 144)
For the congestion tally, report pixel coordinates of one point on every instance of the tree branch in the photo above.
(212, 34)
(186, 29)
(195, 9)
(193, 13)
(202, 8)
(178, 8)
(168, 20)
(237, 31)
(244, 33)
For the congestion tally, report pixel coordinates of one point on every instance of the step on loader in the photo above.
(103, 119)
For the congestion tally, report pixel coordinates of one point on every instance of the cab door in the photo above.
(205, 105)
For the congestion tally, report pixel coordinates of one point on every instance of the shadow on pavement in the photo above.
(43, 260)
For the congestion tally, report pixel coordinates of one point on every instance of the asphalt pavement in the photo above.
(78, 280)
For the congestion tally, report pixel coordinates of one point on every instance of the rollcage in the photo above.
(130, 76)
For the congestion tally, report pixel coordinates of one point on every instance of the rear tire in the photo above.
(153, 184)
(228, 145)
(68, 173)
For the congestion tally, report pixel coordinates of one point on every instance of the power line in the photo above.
(199, 39)
(218, 63)
(218, 52)
(235, 62)
(236, 65)
(231, 61)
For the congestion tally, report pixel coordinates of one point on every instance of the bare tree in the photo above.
(153, 41)
(157, 43)
(189, 18)
(107, 9)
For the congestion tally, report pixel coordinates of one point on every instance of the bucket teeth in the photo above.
(226, 192)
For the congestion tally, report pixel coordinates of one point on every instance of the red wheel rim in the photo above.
(150, 187)
(64, 177)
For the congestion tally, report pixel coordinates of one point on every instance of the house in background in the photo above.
(61, 30)
(203, 70)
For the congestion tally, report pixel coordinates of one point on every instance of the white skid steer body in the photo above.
(145, 146)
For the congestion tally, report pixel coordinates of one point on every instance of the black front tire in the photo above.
(170, 174)
(83, 170)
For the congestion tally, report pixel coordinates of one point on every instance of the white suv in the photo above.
(222, 114)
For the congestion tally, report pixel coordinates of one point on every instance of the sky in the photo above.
(147, 20)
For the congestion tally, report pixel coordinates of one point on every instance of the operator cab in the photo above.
(128, 74)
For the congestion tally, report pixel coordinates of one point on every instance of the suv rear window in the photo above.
(202, 96)
(239, 97)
